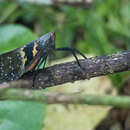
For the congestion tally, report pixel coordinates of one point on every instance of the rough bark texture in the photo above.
(70, 72)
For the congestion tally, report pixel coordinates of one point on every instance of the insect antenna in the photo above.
(73, 51)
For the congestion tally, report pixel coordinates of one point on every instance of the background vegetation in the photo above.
(104, 28)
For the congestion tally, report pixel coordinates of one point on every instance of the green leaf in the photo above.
(14, 36)
(16, 115)
(19, 115)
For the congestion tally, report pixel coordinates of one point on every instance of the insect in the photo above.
(15, 63)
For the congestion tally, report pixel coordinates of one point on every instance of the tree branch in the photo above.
(70, 72)
(60, 98)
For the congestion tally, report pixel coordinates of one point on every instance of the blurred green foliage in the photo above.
(102, 29)
(21, 115)
(12, 39)
(98, 30)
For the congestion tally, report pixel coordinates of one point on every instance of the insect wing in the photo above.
(11, 65)
(15, 63)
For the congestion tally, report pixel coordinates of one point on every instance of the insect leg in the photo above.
(43, 60)
(77, 51)
(73, 51)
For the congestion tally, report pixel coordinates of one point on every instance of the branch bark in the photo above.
(70, 72)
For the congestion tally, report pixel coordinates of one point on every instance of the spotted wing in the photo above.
(11, 66)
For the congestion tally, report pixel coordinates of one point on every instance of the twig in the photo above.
(14, 84)
(70, 72)
(60, 98)
(82, 3)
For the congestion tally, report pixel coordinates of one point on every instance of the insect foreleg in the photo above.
(73, 51)
(77, 51)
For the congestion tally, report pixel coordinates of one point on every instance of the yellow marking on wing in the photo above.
(34, 49)
(23, 55)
